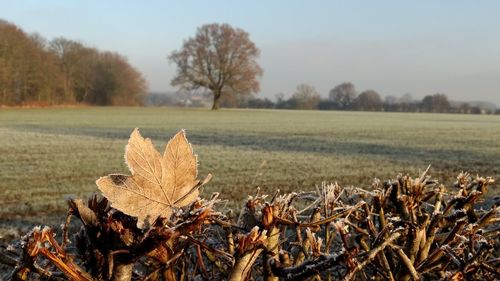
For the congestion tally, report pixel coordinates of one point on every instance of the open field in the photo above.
(48, 154)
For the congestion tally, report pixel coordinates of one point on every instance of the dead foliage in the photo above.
(158, 183)
(152, 225)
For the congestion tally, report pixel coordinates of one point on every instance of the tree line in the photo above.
(219, 59)
(222, 61)
(36, 71)
(345, 97)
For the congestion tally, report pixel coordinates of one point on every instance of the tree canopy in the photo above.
(305, 97)
(343, 95)
(369, 100)
(63, 71)
(435, 103)
(220, 59)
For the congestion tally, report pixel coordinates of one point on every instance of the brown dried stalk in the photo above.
(403, 229)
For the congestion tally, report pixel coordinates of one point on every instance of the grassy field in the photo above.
(49, 154)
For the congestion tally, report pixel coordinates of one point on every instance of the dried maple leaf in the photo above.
(158, 183)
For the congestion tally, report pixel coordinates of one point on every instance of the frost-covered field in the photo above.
(49, 154)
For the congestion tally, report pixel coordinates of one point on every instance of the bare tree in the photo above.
(391, 100)
(221, 59)
(305, 97)
(69, 58)
(343, 95)
(407, 103)
(103, 78)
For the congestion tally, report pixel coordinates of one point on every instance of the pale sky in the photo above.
(394, 47)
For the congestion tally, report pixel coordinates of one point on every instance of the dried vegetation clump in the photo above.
(152, 225)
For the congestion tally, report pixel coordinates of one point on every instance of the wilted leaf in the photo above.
(158, 182)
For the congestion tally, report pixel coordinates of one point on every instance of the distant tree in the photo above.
(27, 72)
(70, 63)
(305, 97)
(281, 102)
(343, 95)
(115, 82)
(407, 103)
(101, 78)
(260, 103)
(390, 103)
(475, 110)
(427, 104)
(464, 107)
(406, 98)
(369, 100)
(33, 71)
(38, 40)
(47, 77)
(435, 103)
(390, 100)
(221, 59)
(441, 103)
(280, 97)
(326, 104)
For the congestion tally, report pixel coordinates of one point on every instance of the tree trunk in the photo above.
(217, 96)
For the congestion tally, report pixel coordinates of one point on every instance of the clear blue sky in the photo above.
(394, 47)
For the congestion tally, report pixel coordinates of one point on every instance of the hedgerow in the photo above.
(153, 225)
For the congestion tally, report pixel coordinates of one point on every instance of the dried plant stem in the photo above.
(487, 218)
(303, 249)
(243, 265)
(407, 262)
(307, 269)
(453, 232)
(122, 272)
(397, 232)
(199, 259)
(272, 249)
(372, 255)
(430, 235)
(230, 241)
(65, 230)
(417, 235)
(385, 265)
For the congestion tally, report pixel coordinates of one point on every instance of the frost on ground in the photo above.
(401, 229)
